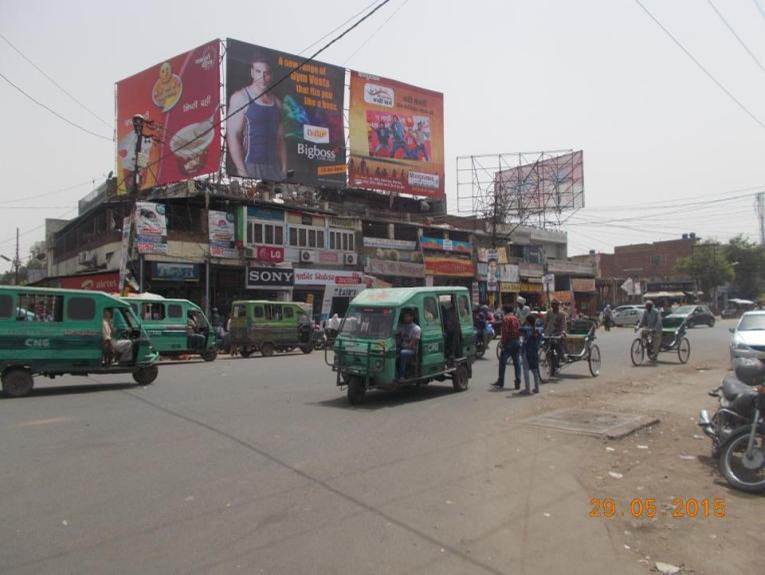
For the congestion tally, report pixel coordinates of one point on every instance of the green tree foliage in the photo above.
(708, 265)
(748, 260)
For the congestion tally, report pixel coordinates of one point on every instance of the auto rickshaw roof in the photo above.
(63, 291)
(396, 297)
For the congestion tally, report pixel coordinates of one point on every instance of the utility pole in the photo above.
(760, 204)
(17, 259)
(138, 125)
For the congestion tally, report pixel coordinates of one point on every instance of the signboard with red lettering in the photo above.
(444, 266)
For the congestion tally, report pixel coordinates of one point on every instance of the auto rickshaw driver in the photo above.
(121, 348)
(407, 339)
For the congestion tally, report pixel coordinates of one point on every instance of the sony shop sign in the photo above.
(258, 277)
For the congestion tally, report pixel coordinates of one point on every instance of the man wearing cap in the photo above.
(651, 321)
(522, 311)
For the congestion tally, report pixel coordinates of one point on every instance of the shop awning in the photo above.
(664, 295)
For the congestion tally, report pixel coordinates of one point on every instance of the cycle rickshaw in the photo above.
(673, 338)
(579, 346)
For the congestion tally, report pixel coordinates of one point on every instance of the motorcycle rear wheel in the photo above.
(736, 469)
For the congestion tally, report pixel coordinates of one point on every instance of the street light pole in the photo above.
(17, 260)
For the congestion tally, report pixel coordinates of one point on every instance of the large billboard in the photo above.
(396, 137)
(555, 183)
(293, 132)
(180, 97)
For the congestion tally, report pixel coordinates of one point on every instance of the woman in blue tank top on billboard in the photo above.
(254, 134)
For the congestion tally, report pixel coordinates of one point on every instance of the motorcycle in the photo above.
(737, 429)
(482, 340)
(319, 338)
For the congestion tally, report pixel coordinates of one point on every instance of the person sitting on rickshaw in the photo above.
(122, 349)
(555, 326)
(651, 321)
(196, 340)
(479, 323)
(407, 340)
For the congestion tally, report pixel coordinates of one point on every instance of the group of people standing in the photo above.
(521, 340)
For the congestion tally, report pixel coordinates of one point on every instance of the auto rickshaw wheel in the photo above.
(306, 348)
(17, 382)
(209, 355)
(245, 352)
(460, 378)
(356, 390)
(146, 375)
(267, 349)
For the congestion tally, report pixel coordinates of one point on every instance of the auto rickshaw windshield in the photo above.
(368, 322)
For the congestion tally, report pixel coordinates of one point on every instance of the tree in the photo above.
(748, 259)
(35, 260)
(708, 265)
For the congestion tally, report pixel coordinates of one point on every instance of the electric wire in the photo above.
(336, 28)
(55, 83)
(373, 34)
(701, 66)
(736, 36)
(52, 111)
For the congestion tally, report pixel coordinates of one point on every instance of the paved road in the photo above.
(261, 466)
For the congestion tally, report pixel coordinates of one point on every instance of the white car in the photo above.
(628, 315)
(749, 336)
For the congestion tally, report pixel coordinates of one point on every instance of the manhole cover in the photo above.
(590, 422)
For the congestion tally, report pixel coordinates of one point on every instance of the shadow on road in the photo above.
(74, 389)
(378, 398)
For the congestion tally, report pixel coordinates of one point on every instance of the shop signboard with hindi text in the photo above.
(446, 266)
(396, 137)
(180, 100)
(295, 129)
(394, 268)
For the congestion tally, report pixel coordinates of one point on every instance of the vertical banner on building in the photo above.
(150, 228)
(180, 101)
(126, 224)
(222, 234)
(396, 137)
(293, 132)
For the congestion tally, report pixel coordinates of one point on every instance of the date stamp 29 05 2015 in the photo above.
(646, 508)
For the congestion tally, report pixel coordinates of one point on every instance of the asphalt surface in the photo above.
(261, 466)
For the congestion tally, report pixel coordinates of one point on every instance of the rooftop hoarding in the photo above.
(180, 97)
(396, 137)
(550, 183)
(292, 133)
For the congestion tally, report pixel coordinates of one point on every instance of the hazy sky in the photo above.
(548, 74)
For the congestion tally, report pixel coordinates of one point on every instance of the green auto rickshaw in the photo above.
(367, 351)
(176, 326)
(54, 332)
(269, 326)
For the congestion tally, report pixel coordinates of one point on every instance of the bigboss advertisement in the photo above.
(180, 101)
(396, 137)
(293, 132)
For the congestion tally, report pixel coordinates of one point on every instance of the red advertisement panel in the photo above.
(449, 267)
(396, 137)
(180, 98)
(108, 282)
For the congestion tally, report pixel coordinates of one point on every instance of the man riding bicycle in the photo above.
(555, 327)
(651, 322)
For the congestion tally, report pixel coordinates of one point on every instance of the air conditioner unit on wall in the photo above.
(250, 252)
(350, 259)
(307, 256)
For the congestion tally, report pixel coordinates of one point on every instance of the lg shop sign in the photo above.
(269, 277)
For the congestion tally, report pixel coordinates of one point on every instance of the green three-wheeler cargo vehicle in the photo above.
(175, 326)
(366, 351)
(54, 332)
(269, 326)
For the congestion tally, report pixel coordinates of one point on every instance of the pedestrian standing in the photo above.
(530, 353)
(511, 347)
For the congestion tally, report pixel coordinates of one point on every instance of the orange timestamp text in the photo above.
(646, 508)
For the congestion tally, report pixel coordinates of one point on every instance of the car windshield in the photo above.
(752, 323)
(368, 322)
(684, 310)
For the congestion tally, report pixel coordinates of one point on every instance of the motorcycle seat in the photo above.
(733, 388)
